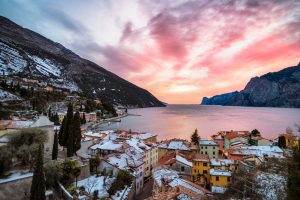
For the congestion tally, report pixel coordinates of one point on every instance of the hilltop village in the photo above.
(81, 161)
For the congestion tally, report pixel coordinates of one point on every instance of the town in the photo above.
(65, 154)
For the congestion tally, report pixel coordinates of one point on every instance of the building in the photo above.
(146, 137)
(168, 185)
(209, 147)
(130, 160)
(219, 139)
(223, 164)
(61, 116)
(182, 164)
(235, 137)
(43, 122)
(219, 180)
(259, 151)
(106, 147)
(173, 145)
(259, 141)
(290, 140)
(200, 168)
(94, 135)
(149, 152)
(89, 117)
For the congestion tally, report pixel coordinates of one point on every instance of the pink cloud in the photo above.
(202, 48)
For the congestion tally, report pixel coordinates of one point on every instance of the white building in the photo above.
(149, 151)
(209, 147)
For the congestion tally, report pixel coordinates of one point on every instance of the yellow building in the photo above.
(219, 178)
(61, 116)
(200, 168)
(224, 164)
(290, 140)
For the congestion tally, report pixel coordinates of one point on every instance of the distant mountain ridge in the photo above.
(27, 54)
(274, 89)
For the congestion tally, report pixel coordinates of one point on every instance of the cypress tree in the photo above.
(55, 147)
(76, 132)
(68, 125)
(38, 186)
(61, 132)
(70, 141)
(83, 119)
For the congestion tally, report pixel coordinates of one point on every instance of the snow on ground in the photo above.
(271, 186)
(46, 66)
(10, 60)
(6, 96)
(101, 183)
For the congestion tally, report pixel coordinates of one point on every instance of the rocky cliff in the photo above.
(276, 89)
(27, 54)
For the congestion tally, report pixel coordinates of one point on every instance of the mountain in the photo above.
(276, 89)
(219, 99)
(27, 54)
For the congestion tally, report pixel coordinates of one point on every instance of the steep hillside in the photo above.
(277, 89)
(27, 54)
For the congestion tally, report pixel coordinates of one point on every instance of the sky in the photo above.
(178, 50)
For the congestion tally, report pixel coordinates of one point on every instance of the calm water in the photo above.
(179, 121)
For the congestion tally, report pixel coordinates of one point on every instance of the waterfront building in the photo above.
(209, 147)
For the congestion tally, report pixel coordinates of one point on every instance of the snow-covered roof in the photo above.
(139, 145)
(183, 197)
(143, 136)
(264, 148)
(7, 96)
(221, 162)
(174, 145)
(219, 190)
(107, 145)
(207, 143)
(42, 121)
(91, 134)
(164, 173)
(172, 178)
(183, 160)
(217, 172)
(188, 185)
(124, 160)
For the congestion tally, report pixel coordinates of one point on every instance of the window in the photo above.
(205, 164)
(228, 179)
(201, 147)
(235, 167)
(213, 147)
(217, 178)
(214, 153)
(205, 152)
(205, 147)
(195, 170)
(204, 171)
(182, 168)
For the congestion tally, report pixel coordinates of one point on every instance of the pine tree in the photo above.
(38, 186)
(61, 132)
(55, 147)
(76, 132)
(195, 137)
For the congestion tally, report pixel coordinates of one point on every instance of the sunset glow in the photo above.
(178, 50)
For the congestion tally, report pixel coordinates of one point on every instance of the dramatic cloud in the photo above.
(178, 50)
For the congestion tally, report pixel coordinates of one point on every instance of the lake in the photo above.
(179, 121)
